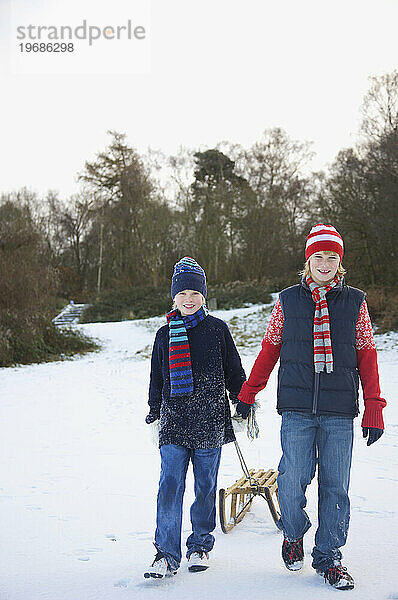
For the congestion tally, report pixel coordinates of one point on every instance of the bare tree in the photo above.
(380, 107)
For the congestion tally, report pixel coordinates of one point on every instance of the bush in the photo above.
(236, 294)
(141, 303)
(133, 303)
(26, 339)
(383, 308)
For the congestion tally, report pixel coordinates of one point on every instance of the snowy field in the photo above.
(79, 481)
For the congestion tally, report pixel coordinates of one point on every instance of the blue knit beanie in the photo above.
(188, 275)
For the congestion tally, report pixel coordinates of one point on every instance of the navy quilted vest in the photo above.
(299, 387)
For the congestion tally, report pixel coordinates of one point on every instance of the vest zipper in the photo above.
(315, 396)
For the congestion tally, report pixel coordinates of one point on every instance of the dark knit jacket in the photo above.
(202, 419)
(299, 387)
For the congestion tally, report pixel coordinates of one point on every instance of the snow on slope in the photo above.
(79, 480)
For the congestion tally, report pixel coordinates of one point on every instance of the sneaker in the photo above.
(293, 554)
(198, 561)
(338, 577)
(159, 568)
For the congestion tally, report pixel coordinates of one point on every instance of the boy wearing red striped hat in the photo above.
(321, 331)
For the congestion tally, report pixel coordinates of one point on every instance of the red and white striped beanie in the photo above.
(324, 237)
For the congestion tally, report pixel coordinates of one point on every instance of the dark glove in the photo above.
(151, 418)
(374, 434)
(233, 398)
(243, 409)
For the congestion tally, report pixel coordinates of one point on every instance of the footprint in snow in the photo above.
(122, 583)
(141, 535)
(84, 553)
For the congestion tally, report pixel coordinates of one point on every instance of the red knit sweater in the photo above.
(367, 364)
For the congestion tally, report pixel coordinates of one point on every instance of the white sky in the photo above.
(220, 70)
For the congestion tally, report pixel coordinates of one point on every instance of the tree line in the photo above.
(243, 213)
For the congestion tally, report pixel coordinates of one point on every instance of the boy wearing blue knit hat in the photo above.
(194, 362)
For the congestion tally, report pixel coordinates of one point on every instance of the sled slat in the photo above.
(238, 483)
(267, 480)
(233, 506)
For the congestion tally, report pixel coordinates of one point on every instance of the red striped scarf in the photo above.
(181, 377)
(323, 355)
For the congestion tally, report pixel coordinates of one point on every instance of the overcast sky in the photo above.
(219, 70)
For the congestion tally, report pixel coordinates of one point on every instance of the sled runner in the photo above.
(235, 501)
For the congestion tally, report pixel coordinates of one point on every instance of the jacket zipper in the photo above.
(355, 392)
(353, 381)
(316, 393)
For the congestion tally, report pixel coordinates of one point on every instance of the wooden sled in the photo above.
(235, 501)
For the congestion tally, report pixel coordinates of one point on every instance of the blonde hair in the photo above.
(201, 295)
(307, 271)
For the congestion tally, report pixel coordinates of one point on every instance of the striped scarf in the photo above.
(323, 356)
(181, 379)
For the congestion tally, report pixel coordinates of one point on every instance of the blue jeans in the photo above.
(174, 465)
(308, 440)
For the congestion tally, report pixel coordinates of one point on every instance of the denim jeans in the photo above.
(174, 465)
(308, 440)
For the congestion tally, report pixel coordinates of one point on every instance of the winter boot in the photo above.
(198, 561)
(293, 554)
(159, 568)
(338, 577)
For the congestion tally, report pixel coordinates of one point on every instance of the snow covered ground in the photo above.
(79, 480)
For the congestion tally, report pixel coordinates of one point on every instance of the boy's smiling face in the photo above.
(188, 302)
(323, 266)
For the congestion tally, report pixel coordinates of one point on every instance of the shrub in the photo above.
(26, 339)
(383, 308)
(236, 294)
(141, 303)
(133, 303)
